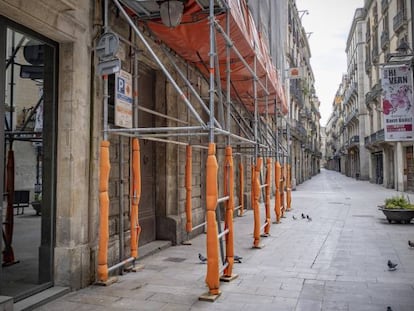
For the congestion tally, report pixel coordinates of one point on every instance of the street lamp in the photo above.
(171, 12)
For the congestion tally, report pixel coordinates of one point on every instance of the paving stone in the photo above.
(336, 262)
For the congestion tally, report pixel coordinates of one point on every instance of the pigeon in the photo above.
(303, 216)
(294, 217)
(237, 259)
(202, 258)
(389, 308)
(309, 218)
(410, 244)
(392, 266)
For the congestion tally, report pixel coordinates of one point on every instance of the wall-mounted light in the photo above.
(171, 12)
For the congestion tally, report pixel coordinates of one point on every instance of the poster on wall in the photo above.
(123, 99)
(397, 102)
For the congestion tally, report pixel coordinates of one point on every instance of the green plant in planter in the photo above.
(398, 202)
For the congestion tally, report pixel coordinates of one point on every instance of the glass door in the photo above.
(28, 114)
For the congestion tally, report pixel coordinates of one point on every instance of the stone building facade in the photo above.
(51, 55)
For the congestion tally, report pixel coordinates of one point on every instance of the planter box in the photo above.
(37, 205)
(403, 216)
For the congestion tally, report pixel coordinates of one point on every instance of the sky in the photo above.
(328, 24)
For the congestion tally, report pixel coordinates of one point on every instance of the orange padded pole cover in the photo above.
(135, 197)
(282, 189)
(256, 207)
(229, 191)
(289, 187)
(212, 278)
(241, 190)
(253, 178)
(188, 188)
(104, 167)
(267, 202)
(277, 194)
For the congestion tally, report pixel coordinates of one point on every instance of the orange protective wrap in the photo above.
(105, 168)
(289, 187)
(277, 198)
(282, 189)
(188, 188)
(212, 277)
(241, 190)
(256, 207)
(229, 190)
(190, 40)
(267, 202)
(135, 197)
(8, 253)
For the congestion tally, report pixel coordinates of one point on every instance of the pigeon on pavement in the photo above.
(392, 266)
(202, 258)
(303, 216)
(410, 244)
(389, 308)
(293, 216)
(309, 218)
(237, 259)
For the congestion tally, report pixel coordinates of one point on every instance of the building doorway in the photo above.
(410, 168)
(147, 215)
(379, 167)
(27, 167)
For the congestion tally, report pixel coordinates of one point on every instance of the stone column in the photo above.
(72, 252)
(399, 167)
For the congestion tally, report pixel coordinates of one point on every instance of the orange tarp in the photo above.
(191, 40)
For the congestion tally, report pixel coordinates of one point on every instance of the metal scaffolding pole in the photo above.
(160, 64)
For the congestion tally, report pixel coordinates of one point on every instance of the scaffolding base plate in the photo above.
(229, 278)
(7, 264)
(258, 246)
(209, 297)
(187, 243)
(265, 235)
(276, 222)
(111, 280)
(134, 268)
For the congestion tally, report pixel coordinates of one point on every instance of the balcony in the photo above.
(399, 21)
(384, 5)
(385, 39)
(354, 141)
(305, 113)
(374, 54)
(297, 95)
(352, 89)
(375, 139)
(367, 64)
(374, 93)
(353, 114)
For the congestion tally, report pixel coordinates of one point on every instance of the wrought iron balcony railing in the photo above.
(385, 39)
(399, 21)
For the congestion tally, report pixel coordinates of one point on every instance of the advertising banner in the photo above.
(123, 99)
(397, 102)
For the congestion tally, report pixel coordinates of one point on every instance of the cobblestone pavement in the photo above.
(337, 261)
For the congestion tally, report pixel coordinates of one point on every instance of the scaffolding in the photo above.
(219, 40)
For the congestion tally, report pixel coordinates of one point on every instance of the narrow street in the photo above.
(337, 261)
